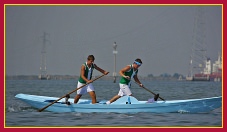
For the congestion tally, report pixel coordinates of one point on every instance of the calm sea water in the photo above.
(19, 114)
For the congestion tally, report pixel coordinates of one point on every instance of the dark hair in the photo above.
(138, 60)
(91, 57)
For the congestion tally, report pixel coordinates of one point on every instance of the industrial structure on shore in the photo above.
(43, 69)
(200, 66)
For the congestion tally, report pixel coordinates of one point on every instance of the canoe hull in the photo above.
(126, 104)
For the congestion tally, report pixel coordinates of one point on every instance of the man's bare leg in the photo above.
(76, 99)
(93, 97)
(113, 99)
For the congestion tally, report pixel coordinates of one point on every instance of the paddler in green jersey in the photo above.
(85, 77)
(128, 73)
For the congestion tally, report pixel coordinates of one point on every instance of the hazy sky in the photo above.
(160, 35)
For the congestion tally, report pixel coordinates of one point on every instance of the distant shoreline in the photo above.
(71, 77)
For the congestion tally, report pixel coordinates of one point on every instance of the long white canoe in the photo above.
(126, 104)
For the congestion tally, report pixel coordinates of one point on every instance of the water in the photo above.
(19, 114)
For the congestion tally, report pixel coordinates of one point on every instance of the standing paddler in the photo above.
(85, 77)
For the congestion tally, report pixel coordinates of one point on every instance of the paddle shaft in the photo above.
(149, 91)
(40, 110)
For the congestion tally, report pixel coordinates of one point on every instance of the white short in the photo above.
(124, 90)
(85, 89)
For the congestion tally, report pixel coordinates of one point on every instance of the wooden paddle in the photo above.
(40, 110)
(149, 91)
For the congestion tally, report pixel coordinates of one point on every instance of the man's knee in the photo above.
(92, 94)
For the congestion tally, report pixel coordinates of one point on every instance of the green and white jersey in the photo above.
(88, 73)
(131, 73)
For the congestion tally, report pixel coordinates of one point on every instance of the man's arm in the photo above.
(82, 72)
(101, 70)
(137, 80)
(123, 70)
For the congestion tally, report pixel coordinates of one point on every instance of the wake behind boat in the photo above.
(126, 104)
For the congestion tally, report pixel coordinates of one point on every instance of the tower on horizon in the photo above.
(43, 69)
